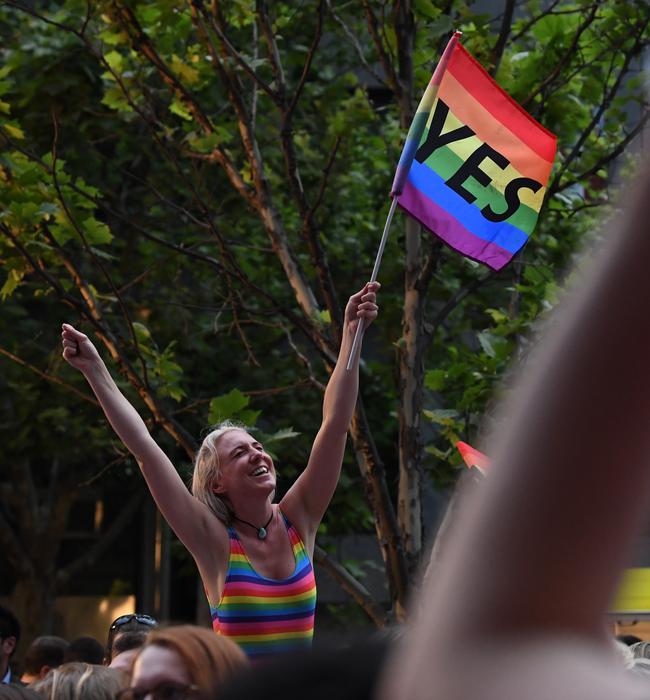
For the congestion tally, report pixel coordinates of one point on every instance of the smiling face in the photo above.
(244, 465)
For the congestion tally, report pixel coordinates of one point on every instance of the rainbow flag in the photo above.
(475, 165)
(472, 457)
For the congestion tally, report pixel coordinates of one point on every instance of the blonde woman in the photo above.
(80, 681)
(254, 556)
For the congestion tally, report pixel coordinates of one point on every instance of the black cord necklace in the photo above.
(261, 531)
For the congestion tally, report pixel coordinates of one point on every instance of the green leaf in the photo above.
(142, 333)
(13, 130)
(283, 434)
(114, 60)
(97, 232)
(178, 108)
(14, 278)
(227, 405)
(185, 73)
(442, 416)
(486, 339)
(434, 379)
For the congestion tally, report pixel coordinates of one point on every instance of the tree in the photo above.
(229, 162)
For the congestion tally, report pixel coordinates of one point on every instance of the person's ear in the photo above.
(8, 645)
(217, 486)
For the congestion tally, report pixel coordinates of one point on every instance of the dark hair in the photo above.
(8, 691)
(628, 639)
(321, 674)
(125, 641)
(44, 651)
(9, 625)
(86, 649)
(127, 623)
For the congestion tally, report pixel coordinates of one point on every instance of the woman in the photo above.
(183, 662)
(254, 556)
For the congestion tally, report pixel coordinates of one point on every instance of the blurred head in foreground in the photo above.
(183, 661)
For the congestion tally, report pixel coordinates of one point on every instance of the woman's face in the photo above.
(244, 464)
(159, 668)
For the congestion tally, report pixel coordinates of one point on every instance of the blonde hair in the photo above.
(80, 681)
(210, 659)
(207, 470)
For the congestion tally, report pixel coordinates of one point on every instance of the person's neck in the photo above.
(255, 513)
(4, 666)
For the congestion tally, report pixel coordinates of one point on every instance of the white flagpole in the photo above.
(356, 343)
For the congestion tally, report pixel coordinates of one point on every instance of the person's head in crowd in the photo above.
(17, 692)
(43, 654)
(125, 648)
(9, 638)
(86, 649)
(134, 622)
(186, 660)
(628, 639)
(625, 653)
(80, 681)
(640, 650)
(349, 673)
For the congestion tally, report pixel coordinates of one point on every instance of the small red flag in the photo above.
(472, 457)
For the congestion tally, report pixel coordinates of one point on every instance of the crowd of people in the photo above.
(139, 659)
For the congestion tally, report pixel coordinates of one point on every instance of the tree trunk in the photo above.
(411, 373)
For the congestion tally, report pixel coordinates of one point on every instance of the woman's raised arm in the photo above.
(185, 514)
(305, 503)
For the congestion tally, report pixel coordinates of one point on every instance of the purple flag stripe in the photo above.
(450, 230)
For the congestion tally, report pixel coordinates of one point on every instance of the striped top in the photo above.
(267, 616)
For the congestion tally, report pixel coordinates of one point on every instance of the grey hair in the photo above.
(207, 469)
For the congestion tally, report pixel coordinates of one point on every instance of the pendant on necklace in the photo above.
(261, 533)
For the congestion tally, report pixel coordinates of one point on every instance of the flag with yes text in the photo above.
(475, 165)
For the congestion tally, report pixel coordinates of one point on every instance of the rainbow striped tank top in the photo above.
(267, 616)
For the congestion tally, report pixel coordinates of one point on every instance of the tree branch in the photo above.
(352, 586)
(357, 46)
(50, 377)
(568, 54)
(95, 258)
(384, 57)
(457, 298)
(604, 104)
(308, 61)
(548, 11)
(199, 5)
(612, 155)
(502, 39)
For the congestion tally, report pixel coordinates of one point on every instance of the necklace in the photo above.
(261, 531)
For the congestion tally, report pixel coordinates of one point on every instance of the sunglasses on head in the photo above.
(167, 690)
(123, 619)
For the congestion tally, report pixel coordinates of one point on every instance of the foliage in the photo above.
(196, 185)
